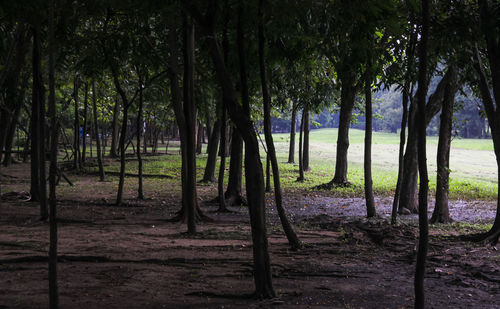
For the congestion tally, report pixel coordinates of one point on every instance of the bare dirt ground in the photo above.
(132, 257)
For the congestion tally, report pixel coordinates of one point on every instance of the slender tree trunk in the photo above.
(305, 151)
(293, 125)
(301, 162)
(76, 128)
(199, 138)
(422, 162)
(53, 288)
(441, 211)
(140, 193)
(34, 123)
(370, 201)
(190, 118)
(233, 192)
(213, 143)
(348, 94)
(293, 240)
(96, 133)
(268, 173)
(123, 134)
(84, 135)
(222, 166)
(253, 166)
(402, 138)
(490, 104)
(39, 124)
(114, 127)
(409, 193)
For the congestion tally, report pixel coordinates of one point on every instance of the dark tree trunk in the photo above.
(121, 145)
(114, 127)
(409, 193)
(441, 211)
(209, 128)
(253, 166)
(233, 192)
(140, 193)
(84, 135)
(348, 94)
(293, 125)
(490, 105)
(76, 129)
(268, 173)
(173, 73)
(370, 201)
(305, 151)
(301, 162)
(222, 165)
(96, 133)
(199, 138)
(190, 118)
(293, 240)
(39, 124)
(53, 289)
(402, 138)
(35, 120)
(422, 162)
(213, 143)
(407, 92)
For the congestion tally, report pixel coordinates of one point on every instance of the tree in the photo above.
(441, 211)
(422, 164)
(293, 240)
(53, 287)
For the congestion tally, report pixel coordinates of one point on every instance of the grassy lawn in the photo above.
(473, 166)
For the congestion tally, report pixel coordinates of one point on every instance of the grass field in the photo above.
(472, 162)
(473, 166)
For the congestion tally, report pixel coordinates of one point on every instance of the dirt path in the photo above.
(131, 257)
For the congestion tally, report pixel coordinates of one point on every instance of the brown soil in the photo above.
(132, 257)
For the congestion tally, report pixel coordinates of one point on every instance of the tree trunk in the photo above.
(233, 192)
(293, 240)
(121, 145)
(222, 166)
(53, 289)
(84, 135)
(76, 129)
(199, 138)
(268, 173)
(96, 133)
(370, 201)
(301, 162)
(348, 94)
(409, 193)
(190, 119)
(140, 193)
(213, 143)
(305, 151)
(35, 120)
(422, 162)
(114, 127)
(39, 124)
(490, 105)
(293, 125)
(253, 166)
(441, 212)
(173, 72)
(402, 138)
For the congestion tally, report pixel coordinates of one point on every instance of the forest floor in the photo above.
(133, 257)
